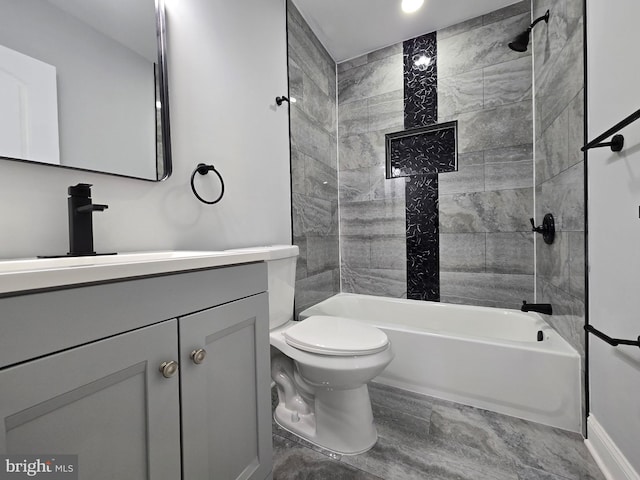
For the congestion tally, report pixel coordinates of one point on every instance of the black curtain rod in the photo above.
(616, 128)
(611, 341)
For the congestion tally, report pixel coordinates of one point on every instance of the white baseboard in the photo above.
(605, 452)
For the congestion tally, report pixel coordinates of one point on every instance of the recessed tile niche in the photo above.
(425, 150)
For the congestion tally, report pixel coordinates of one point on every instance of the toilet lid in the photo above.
(335, 336)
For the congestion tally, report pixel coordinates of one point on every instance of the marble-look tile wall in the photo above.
(372, 208)
(486, 248)
(559, 104)
(312, 82)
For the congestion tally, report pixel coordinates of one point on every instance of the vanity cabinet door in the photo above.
(226, 404)
(105, 401)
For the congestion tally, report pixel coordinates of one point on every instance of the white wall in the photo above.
(227, 63)
(614, 226)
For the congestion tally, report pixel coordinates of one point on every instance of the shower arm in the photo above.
(544, 17)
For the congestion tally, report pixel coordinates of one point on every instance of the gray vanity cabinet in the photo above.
(105, 402)
(226, 406)
(80, 373)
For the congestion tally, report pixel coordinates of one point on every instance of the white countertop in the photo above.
(44, 273)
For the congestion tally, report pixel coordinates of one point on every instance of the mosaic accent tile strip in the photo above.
(422, 151)
(423, 256)
(420, 81)
(412, 154)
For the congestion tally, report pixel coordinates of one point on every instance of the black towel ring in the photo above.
(203, 169)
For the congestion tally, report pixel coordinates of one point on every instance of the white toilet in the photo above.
(321, 367)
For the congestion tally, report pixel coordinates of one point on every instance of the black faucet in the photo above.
(537, 307)
(80, 219)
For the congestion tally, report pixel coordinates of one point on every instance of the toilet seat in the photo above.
(335, 336)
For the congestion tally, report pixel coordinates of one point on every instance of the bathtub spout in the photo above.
(537, 307)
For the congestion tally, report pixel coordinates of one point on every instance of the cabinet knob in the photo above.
(169, 369)
(198, 356)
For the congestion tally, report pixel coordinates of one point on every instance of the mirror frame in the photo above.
(163, 147)
(162, 94)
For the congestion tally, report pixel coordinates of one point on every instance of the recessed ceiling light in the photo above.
(410, 6)
(422, 61)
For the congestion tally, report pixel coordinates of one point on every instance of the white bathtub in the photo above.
(485, 357)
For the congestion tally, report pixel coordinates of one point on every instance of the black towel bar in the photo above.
(611, 341)
(617, 142)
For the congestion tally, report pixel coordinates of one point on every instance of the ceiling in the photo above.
(350, 28)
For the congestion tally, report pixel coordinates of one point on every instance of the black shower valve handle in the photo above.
(533, 225)
(539, 229)
(547, 229)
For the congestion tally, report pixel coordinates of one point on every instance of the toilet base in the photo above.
(341, 421)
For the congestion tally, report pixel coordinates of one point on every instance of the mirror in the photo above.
(83, 85)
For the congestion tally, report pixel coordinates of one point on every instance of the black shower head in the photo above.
(521, 42)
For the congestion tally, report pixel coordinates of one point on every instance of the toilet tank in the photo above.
(281, 264)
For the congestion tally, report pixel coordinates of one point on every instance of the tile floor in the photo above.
(421, 437)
